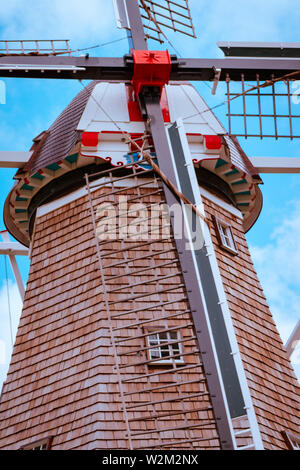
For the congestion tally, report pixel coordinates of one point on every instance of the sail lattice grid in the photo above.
(170, 14)
(35, 47)
(263, 108)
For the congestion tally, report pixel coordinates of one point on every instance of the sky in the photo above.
(32, 105)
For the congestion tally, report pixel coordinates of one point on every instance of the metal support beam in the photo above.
(203, 69)
(276, 164)
(293, 340)
(14, 159)
(260, 49)
(139, 41)
(194, 293)
(76, 68)
(121, 68)
(14, 265)
(13, 248)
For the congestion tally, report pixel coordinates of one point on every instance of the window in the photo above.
(165, 344)
(225, 235)
(43, 444)
(292, 440)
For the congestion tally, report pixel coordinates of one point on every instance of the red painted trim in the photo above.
(90, 139)
(112, 132)
(165, 106)
(203, 159)
(213, 142)
(106, 159)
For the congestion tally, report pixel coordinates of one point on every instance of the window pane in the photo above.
(173, 335)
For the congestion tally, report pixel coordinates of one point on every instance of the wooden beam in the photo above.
(293, 340)
(5, 236)
(13, 248)
(276, 164)
(14, 159)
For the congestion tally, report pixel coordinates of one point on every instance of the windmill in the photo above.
(130, 340)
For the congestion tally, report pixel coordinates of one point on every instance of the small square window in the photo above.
(166, 348)
(292, 440)
(225, 235)
(43, 444)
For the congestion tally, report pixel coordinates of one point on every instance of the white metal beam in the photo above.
(14, 159)
(276, 164)
(14, 265)
(293, 340)
(13, 248)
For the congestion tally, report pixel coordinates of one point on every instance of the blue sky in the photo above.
(32, 105)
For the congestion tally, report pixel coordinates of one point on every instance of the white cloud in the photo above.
(5, 334)
(278, 267)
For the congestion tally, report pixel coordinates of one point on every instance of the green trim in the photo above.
(239, 182)
(72, 158)
(27, 187)
(220, 162)
(19, 211)
(53, 166)
(233, 172)
(243, 193)
(38, 176)
(18, 198)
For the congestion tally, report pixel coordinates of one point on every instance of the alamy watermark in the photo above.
(140, 222)
(2, 92)
(296, 93)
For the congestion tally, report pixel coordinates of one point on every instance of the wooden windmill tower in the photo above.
(138, 334)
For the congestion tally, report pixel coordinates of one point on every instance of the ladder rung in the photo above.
(146, 308)
(174, 428)
(164, 330)
(159, 387)
(139, 323)
(182, 441)
(143, 270)
(174, 413)
(156, 280)
(181, 398)
(169, 371)
(250, 446)
(244, 431)
(147, 294)
(139, 258)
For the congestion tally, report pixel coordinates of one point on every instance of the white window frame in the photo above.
(42, 444)
(168, 342)
(292, 440)
(225, 235)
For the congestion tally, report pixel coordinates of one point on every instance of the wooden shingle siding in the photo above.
(62, 380)
(272, 382)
